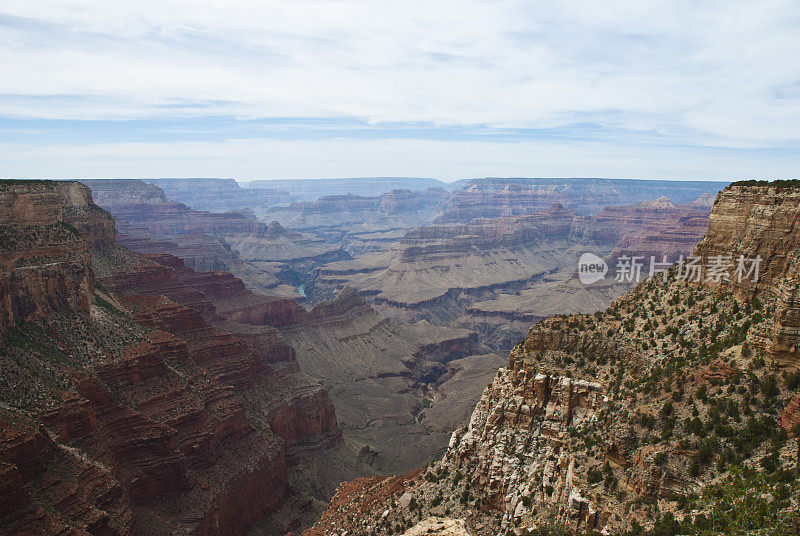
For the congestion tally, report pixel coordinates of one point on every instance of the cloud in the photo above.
(692, 74)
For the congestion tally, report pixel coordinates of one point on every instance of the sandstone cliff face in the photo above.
(755, 221)
(513, 446)
(228, 357)
(47, 229)
(124, 410)
(647, 403)
(761, 222)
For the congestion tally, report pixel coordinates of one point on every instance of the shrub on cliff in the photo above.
(746, 502)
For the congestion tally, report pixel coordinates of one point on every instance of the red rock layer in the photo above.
(302, 415)
(159, 279)
(44, 261)
(34, 471)
(156, 437)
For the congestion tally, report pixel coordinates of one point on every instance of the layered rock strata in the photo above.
(46, 231)
(621, 419)
(124, 409)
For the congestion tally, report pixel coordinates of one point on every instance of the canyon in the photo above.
(649, 416)
(313, 189)
(495, 197)
(155, 340)
(498, 275)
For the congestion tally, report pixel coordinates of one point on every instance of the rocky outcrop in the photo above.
(80, 211)
(306, 422)
(277, 313)
(597, 416)
(46, 231)
(343, 308)
(529, 414)
(754, 232)
(754, 221)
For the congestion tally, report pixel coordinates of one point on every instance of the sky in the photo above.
(445, 89)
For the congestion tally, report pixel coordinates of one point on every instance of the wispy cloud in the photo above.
(681, 78)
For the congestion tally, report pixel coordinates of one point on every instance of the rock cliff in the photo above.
(47, 229)
(137, 203)
(636, 416)
(195, 301)
(337, 218)
(124, 408)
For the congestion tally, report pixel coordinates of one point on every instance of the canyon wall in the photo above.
(312, 189)
(337, 217)
(47, 231)
(497, 275)
(124, 408)
(621, 419)
(137, 203)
